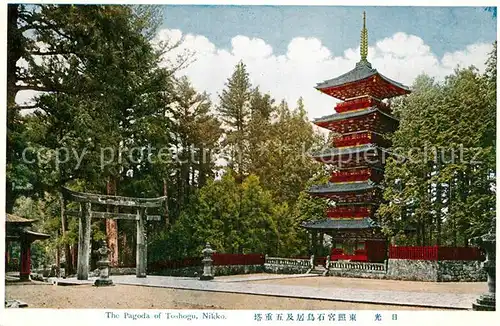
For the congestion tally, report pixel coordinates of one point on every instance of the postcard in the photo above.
(258, 163)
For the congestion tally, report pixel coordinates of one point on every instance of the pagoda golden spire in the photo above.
(364, 40)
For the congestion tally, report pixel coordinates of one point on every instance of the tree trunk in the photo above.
(58, 255)
(165, 193)
(69, 270)
(112, 226)
(430, 217)
(451, 210)
(438, 209)
(74, 251)
(14, 53)
(9, 197)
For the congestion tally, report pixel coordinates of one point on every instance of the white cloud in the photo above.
(401, 57)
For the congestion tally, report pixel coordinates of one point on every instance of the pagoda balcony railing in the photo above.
(351, 175)
(349, 198)
(348, 211)
(355, 175)
(359, 138)
(359, 103)
(353, 139)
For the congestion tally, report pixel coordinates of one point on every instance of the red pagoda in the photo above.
(361, 124)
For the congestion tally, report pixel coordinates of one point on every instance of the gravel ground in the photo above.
(42, 295)
(388, 285)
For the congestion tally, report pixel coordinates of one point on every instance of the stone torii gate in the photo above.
(86, 214)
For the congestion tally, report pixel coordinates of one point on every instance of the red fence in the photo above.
(435, 253)
(219, 260)
(460, 253)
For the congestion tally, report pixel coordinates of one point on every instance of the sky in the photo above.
(288, 49)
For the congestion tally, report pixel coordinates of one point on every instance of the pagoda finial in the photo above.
(364, 40)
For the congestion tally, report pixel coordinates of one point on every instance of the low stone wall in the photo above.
(461, 271)
(412, 270)
(195, 271)
(278, 265)
(435, 271)
(237, 269)
(394, 269)
(355, 269)
(357, 274)
(192, 271)
(122, 271)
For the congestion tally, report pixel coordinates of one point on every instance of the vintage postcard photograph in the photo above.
(323, 163)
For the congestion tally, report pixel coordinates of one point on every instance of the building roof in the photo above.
(36, 235)
(342, 187)
(17, 219)
(363, 79)
(352, 114)
(363, 70)
(341, 224)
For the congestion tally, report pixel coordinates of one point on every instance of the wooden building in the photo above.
(361, 124)
(19, 229)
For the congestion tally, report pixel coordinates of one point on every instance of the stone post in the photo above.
(486, 302)
(208, 273)
(103, 265)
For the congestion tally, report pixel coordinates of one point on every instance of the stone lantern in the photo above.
(103, 265)
(208, 273)
(486, 302)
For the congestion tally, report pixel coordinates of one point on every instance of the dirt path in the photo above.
(39, 295)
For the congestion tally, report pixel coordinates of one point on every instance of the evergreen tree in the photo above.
(234, 112)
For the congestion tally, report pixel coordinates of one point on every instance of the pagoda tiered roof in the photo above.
(362, 120)
(342, 187)
(351, 114)
(360, 81)
(341, 224)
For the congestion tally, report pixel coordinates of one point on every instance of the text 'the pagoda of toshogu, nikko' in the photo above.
(362, 122)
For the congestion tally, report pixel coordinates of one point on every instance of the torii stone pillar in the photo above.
(141, 249)
(84, 241)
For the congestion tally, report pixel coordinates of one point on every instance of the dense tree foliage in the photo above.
(446, 186)
(112, 118)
